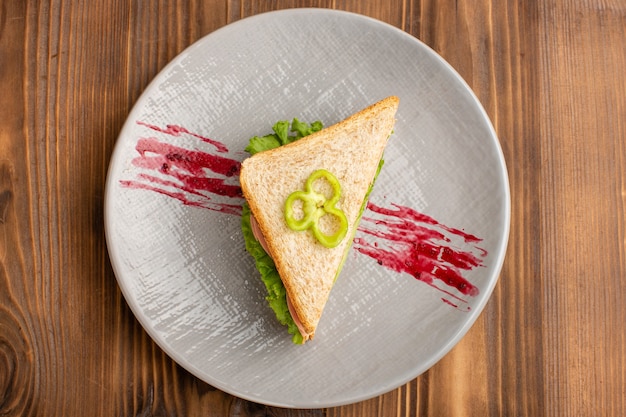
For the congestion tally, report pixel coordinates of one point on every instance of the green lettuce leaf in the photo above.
(304, 129)
(276, 294)
(281, 135)
(262, 143)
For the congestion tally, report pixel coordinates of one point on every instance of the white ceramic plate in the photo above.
(177, 250)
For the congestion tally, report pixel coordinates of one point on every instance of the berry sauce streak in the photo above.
(193, 177)
(398, 238)
(174, 130)
(403, 240)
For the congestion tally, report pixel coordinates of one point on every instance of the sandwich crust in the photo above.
(351, 150)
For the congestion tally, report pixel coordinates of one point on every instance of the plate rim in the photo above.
(130, 297)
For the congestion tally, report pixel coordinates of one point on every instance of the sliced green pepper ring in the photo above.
(309, 207)
(332, 181)
(314, 206)
(330, 241)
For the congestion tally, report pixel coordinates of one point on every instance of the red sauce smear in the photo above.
(194, 177)
(404, 240)
(398, 238)
(175, 130)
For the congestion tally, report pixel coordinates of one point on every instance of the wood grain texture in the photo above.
(549, 74)
(582, 262)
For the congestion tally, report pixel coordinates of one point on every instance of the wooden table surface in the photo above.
(550, 74)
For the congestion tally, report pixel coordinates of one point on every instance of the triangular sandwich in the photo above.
(306, 199)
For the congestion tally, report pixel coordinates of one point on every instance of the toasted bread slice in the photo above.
(351, 150)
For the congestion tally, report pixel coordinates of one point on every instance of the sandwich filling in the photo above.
(276, 295)
(258, 235)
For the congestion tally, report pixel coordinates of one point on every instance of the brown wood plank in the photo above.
(550, 76)
(583, 149)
